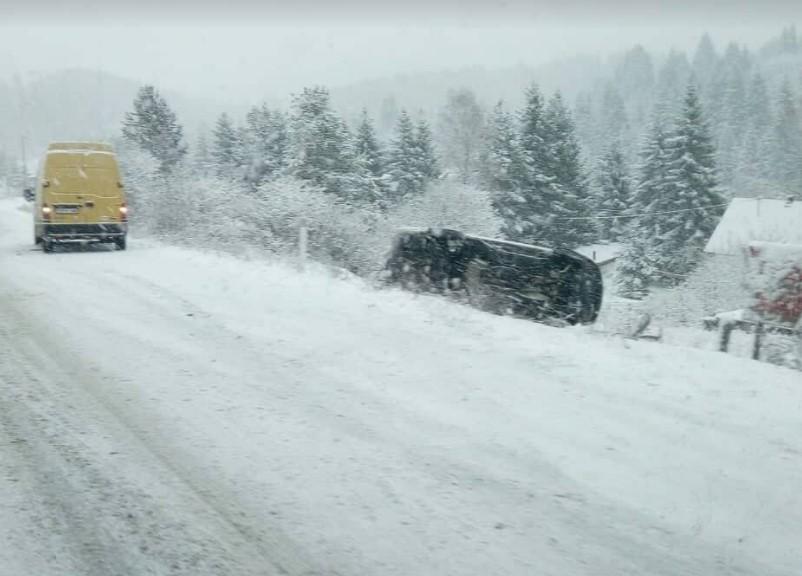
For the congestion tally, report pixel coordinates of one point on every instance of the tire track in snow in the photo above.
(119, 510)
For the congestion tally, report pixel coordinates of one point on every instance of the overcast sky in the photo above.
(247, 49)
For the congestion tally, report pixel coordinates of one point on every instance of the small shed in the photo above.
(604, 255)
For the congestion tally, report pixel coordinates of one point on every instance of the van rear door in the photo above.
(83, 187)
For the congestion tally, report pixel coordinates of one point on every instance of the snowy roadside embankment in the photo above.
(326, 427)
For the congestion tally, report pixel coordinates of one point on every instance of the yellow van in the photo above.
(79, 196)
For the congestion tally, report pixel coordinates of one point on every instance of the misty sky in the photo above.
(244, 49)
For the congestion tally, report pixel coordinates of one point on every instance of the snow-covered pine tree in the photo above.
(245, 155)
(691, 203)
(502, 163)
(276, 146)
(321, 151)
(258, 133)
(588, 124)
(226, 148)
(753, 176)
(460, 132)
(673, 75)
(727, 102)
(614, 122)
(367, 146)
(269, 143)
(571, 202)
(202, 160)
(428, 165)
(613, 195)
(705, 58)
(153, 127)
(528, 211)
(370, 161)
(635, 269)
(405, 176)
(787, 164)
(635, 78)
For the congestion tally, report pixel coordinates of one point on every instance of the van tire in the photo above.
(120, 242)
(37, 240)
(47, 246)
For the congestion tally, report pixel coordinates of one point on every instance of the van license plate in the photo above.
(66, 209)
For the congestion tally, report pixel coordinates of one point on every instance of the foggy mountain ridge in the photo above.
(83, 104)
(98, 99)
(34, 106)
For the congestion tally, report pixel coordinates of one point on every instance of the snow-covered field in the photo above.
(167, 411)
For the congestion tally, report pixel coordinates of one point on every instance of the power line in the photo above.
(626, 215)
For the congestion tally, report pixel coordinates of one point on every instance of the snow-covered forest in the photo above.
(647, 154)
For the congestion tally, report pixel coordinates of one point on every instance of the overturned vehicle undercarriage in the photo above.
(555, 286)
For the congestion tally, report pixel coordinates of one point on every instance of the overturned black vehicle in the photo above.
(554, 286)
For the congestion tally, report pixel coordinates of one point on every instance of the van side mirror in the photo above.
(28, 194)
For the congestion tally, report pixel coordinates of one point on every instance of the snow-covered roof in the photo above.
(601, 253)
(81, 146)
(756, 219)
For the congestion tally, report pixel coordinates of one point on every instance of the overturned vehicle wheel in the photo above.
(554, 286)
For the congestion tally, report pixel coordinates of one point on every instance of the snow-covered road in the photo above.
(167, 411)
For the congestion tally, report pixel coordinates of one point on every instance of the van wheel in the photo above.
(47, 246)
(37, 240)
(120, 242)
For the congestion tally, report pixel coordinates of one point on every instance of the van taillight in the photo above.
(46, 211)
(124, 213)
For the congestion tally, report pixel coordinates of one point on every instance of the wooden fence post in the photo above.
(758, 341)
(726, 332)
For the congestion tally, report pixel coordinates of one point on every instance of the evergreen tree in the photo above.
(426, 157)
(690, 204)
(728, 103)
(202, 159)
(613, 195)
(754, 175)
(635, 270)
(674, 74)
(275, 145)
(404, 167)
(367, 146)
(588, 126)
(502, 169)
(541, 191)
(528, 212)
(320, 146)
(461, 129)
(370, 163)
(635, 78)
(569, 195)
(153, 127)
(614, 122)
(705, 58)
(267, 131)
(226, 148)
(788, 143)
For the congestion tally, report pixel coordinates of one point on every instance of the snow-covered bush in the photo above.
(449, 204)
(776, 278)
(195, 209)
(338, 233)
(716, 285)
(143, 187)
